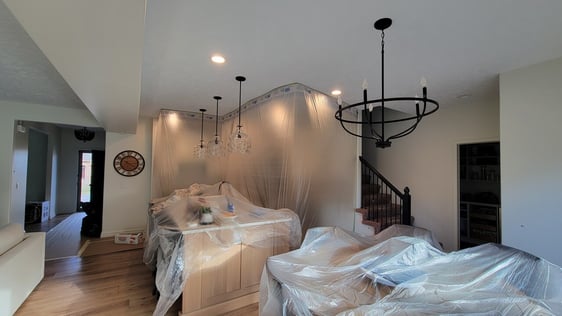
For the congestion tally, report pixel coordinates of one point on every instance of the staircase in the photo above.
(382, 204)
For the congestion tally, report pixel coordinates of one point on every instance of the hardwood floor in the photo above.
(46, 225)
(64, 240)
(111, 284)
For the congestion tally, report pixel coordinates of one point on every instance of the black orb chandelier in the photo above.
(84, 134)
(376, 123)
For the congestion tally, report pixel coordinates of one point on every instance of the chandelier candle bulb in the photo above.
(339, 100)
(364, 86)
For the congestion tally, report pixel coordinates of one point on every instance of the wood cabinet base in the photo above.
(227, 306)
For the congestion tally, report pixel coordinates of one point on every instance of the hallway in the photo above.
(63, 238)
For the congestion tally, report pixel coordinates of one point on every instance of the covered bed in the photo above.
(403, 271)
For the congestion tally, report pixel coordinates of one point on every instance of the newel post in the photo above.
(407, 207)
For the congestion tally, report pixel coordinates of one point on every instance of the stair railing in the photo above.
(384, 203)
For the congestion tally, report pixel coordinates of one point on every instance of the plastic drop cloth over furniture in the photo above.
(173, 218)
(402, 271)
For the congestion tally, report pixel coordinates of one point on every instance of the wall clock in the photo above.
(128, 163)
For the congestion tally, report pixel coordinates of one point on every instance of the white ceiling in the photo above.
(459, 46)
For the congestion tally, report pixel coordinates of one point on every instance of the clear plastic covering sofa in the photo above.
(217, 266)
(403, 271)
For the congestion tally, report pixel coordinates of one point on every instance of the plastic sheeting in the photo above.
(173, 218)
(402, 271)
(300, 159)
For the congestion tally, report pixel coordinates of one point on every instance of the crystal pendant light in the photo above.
(239, 141)
(200, 150)
(215, 147)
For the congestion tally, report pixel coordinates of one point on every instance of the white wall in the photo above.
(531, 159)
(19, 178)
(426, 162)
(9, 113)
(125, 205)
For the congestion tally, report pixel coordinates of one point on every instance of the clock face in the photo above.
(128, 163)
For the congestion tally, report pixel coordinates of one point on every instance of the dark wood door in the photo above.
(98, 164)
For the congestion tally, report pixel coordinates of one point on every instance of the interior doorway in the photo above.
(90, 190)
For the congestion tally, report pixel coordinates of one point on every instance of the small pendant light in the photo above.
(239, 141)
(200, 150)
(215, 147)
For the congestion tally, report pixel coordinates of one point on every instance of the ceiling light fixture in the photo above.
(336, 92)
(218, 59)
(200, 151)
(239, 141)
(404, 125)
(84, 134)
(215, 147)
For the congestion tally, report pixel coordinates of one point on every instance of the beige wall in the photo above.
(531, 159)
(126, 199)
(426, 162)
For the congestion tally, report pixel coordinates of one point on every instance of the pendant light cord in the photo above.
(202, 119)
(217, 120)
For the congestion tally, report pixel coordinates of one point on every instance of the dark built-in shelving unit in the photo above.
(479, 194)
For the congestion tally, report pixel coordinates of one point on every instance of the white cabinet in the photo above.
(223, 278)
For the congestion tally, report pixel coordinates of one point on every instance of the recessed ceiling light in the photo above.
(336, 92)
(218, 59)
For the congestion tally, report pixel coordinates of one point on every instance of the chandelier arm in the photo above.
(378, 136)
(341, 119)
(348, 131)
(349, 107)
(409, 130)
(373, 131)
(357, 135)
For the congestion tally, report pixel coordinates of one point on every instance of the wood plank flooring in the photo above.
(64, 240)
(46, 225)
(110, 284)
(107, 284)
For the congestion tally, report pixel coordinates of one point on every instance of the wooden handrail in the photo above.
(397, 200)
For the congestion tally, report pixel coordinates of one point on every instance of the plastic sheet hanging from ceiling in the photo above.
(300, 157)
(172, 252)
(402, 271)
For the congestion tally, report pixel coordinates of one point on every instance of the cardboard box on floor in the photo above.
(129, 238)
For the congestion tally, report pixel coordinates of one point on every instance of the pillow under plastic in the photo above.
(10, 235)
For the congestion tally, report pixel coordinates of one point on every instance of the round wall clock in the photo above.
(128, 163)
